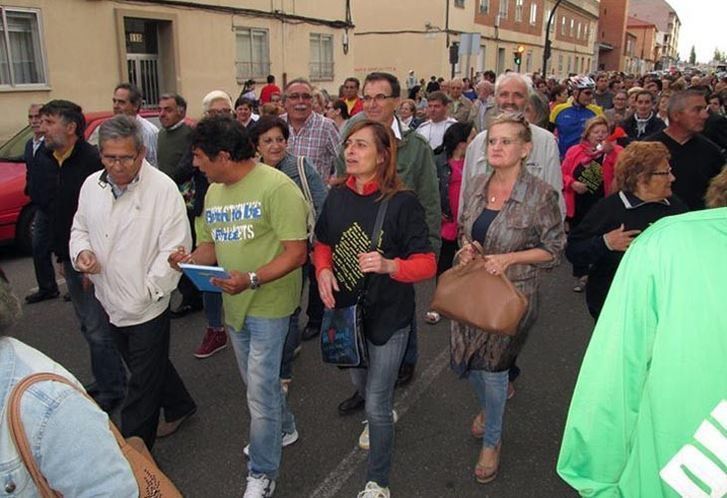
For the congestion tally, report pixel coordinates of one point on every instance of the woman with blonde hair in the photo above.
(587, 177)
(717, 191)
(516, 219)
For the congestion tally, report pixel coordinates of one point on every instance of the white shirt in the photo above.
(434, 132)
(543, 162)
(132, 236)
(149, 133)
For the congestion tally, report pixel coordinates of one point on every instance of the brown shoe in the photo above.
(165, 429)
(477, 429)
(488, 464)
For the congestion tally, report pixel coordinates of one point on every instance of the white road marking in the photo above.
(332, 484)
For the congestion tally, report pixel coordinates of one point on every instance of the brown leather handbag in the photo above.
(472, 295)
(152, 481)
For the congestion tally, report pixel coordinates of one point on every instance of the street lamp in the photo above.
(546, 48)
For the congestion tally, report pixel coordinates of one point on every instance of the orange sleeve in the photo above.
(415, 268)
(322, 257)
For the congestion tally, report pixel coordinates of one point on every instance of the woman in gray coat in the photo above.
(516, 218)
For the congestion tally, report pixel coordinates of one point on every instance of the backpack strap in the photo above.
(304, 183)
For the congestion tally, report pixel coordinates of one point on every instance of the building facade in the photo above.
(645, 51)
(612, 39)
(81, 49)
(666, 20)
(415, 34)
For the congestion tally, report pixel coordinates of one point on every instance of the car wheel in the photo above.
(24, 229)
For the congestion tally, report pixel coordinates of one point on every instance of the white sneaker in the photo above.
(288, 439)
(363, 439)
(373, 490)
(260, 487)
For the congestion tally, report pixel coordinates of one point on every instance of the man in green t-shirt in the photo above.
(255, 228)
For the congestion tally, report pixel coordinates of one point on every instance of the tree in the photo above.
(692, 56)
(717, 55)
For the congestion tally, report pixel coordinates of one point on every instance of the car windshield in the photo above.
(13, 149)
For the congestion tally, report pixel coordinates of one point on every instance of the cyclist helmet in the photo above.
(581, 82)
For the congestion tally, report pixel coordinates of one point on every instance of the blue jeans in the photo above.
(491, 389)
(259, 348)
(212, 302)
(45, 274)
(378, 383)
(106, 365)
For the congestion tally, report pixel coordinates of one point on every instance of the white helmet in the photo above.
(581, 82)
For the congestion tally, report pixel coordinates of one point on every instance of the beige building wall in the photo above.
(85, 55)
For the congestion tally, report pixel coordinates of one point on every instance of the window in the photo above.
(529, 61)
(503, 9)
(321, 57)
(484, 7)
(459, 3)
(562, 25)
(252, 53)
(533, 13)
(579, 31)
(21, 49)
(518, 10)
(572, 26)
(560, 63)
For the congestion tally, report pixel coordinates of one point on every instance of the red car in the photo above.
(16, 210)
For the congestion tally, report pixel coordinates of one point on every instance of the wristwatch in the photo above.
(254, 280)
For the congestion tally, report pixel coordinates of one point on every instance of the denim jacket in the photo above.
(68, 435)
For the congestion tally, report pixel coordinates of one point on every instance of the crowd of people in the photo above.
(283, 188)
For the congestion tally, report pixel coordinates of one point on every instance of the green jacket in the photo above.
(415, 166)
(651, 397)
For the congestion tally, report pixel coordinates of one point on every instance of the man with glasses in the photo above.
(130, 220)
(569, 119)
(415, 166)
(311, 135)
(41, 177)
(350, 96)
(63, 126)
(317, 138)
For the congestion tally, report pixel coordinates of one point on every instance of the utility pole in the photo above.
(546, 48)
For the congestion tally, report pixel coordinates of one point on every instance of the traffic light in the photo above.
(518, 56)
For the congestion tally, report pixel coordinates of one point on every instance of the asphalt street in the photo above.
(434, 453)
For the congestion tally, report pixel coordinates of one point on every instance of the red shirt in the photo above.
(267, 92)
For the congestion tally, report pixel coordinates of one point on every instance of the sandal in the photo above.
(477, 429)
(488, 464)
(432, 317)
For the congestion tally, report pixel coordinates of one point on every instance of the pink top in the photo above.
(449, 227)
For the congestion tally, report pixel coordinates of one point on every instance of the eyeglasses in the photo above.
(378, 98)
(662, 173)
(300, 96)
(122, 160)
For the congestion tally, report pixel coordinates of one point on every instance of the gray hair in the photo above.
(120, 127)
(299, 81)
(484, 84)
(678, 100)
(520, 78)
(213, 96)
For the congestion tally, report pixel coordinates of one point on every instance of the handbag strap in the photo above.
(304, 183)
(19, 436)
(379, 223)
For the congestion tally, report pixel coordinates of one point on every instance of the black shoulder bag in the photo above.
(343, 342)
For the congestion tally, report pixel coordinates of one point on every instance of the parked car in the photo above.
(16, 210)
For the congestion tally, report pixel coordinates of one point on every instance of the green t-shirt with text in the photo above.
(246, 222)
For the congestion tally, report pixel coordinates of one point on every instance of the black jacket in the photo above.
(654, 125)
(83, 161)
(41, 177)
(586, 246)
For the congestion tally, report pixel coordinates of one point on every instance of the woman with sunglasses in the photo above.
(643, 195)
